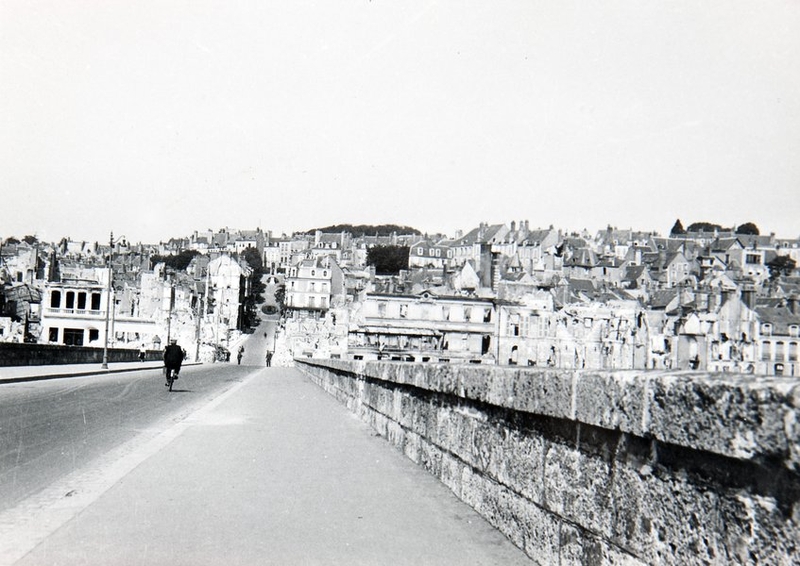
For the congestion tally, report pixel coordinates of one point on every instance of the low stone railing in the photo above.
(16, 354)
(598, 468)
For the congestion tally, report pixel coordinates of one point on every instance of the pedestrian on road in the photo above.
(239, 355)
(269, 358)
(142, 353)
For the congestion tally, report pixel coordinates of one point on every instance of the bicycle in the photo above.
(171, 375)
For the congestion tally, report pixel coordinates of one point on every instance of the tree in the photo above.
(178, 262)
(704, 227)
(30, 240)
(253, 258)
(748, 228)
(280, 298)
(781, 265)
(256, 296)
(677, 228)
(388, 260)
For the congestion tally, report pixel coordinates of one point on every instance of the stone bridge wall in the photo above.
(598, 468)
(15, 354)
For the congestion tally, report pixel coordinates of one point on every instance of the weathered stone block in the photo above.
(666, 519)
(501, 388)
(756, 530)
(520, 462)
(473, 381)
(578, 487)
(431, 458)
(540, 532)
(612, 401)
(738, 417)
(411, 446)
(544, 393)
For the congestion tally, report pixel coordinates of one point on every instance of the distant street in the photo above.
(257, 343)
(51, 428)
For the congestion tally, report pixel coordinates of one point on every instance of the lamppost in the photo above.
(109, 303)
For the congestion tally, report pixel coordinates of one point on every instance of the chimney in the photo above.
(513, 226)
(749, 296)
(792, 303)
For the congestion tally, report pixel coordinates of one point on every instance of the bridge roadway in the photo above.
(272, 471)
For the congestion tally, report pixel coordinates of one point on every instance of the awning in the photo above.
(397, 330)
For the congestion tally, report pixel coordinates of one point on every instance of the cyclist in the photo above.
(173, 357)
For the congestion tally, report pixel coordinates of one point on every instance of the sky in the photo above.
(153, 119)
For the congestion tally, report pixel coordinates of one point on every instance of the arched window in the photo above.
(55, 299)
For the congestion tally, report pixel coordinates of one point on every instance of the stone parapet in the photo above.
(598, 468)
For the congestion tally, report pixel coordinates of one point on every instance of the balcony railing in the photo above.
(80, 312)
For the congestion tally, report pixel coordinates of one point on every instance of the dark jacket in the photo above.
(173, 355)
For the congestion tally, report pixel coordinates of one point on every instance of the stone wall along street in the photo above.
(598, 468)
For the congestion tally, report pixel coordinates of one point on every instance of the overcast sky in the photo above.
(156, 118)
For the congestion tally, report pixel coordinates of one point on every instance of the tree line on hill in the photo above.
(366, 230)
(748, 228)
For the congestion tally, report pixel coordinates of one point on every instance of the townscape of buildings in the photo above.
(497, 294)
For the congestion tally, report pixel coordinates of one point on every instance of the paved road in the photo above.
(51, 428)
(272, 471)
(257, 343)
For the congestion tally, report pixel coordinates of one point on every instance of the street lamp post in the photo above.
(109, 303)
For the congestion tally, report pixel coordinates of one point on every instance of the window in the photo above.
(52, 335)
(82, 301)
(793, 330)
(94, 334)
(753, 259)
(381, 309)
(792, 351)
(766, 329)
(467, 313)
(55, 300)
(73, 337)
(420, 251)
(70, 300)
(403, 311)
(487, 315)
(95, 301)
(779, 352)
(766, 351)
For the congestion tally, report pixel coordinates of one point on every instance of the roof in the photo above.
(779, 317)
(660, 299)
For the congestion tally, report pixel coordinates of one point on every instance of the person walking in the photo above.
(269, 358)
(239, 355)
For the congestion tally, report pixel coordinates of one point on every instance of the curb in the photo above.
(23, 379)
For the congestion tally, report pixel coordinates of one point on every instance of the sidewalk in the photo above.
(14, 374)
(274, 471)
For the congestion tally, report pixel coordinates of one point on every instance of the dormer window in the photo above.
(794, 330)
(766, 329)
